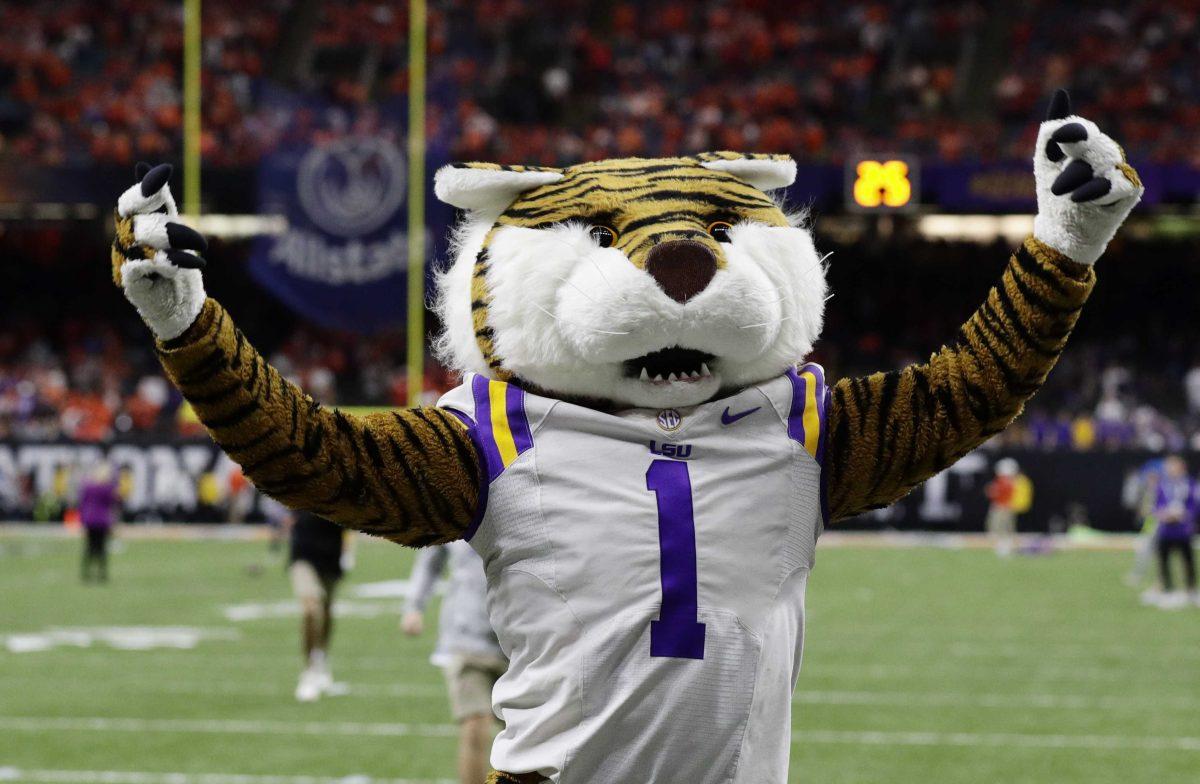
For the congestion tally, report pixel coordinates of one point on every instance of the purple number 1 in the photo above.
(677, 633)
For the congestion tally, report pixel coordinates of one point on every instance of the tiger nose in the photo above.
(682, 268)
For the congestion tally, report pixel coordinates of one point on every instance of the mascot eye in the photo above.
(720, 231)
(604, 236)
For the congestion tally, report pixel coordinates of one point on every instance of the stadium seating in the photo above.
(529, 82)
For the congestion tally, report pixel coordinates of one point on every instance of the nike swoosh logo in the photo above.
(728, 418)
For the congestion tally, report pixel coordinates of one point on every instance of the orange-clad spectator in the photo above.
(240, 497)
(1010, 493)
(86, 417)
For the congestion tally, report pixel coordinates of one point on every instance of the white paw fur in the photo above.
(167, 297)
(1081, 231)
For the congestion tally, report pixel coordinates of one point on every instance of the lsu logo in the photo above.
(677, 451)
(669, 419)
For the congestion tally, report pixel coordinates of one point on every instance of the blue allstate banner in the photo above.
(342, 262)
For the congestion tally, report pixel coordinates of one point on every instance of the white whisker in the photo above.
(765, 323)
(574, 323)
(620, 295)
(572, 285)
(574, 251)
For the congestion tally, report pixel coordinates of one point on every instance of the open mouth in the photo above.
(670, 365)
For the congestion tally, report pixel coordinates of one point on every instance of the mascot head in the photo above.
(637, 282)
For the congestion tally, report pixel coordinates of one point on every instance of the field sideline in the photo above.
(923, 664)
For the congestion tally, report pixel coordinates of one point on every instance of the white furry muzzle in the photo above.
(579, 320)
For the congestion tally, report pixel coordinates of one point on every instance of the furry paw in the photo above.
(1085, 189)
(156, 259)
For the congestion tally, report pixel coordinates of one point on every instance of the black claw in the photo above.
(1071, 132)
(1060, 105)
(180, 236)
(1053, 151)
(1092, 189)
(156, 178)
(184, 259)
(1077, 173)
(141, 170)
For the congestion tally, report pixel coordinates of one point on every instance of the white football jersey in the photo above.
(646, 575)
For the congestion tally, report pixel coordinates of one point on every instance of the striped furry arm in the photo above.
(411, 476)
(890, 431)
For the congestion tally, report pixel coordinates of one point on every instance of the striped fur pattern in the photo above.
(411, 476)
(645, 201)
(500, 777)
(889, 432)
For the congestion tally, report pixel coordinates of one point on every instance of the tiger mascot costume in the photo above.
(637, 450)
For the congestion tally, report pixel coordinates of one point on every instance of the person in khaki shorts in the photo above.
(319, 555)
(467, 649)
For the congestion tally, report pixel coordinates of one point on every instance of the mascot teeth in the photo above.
(670, 365)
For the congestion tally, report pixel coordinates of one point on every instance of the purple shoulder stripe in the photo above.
(483, 420)
(481, 504)
(806, 417)
(518, 421)
(825, 404)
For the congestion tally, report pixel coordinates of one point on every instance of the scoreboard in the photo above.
(883, 184)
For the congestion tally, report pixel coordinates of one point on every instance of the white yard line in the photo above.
(365, 690)
(822, 662)
(869, 737)
(171, 684)
(1118, 672)
(984, 700)
(874, 540)
(901, 540)
(1005, 740)
(210, 659)
(859, 697)
(12, 774)
(1083, 651)
(224, 726)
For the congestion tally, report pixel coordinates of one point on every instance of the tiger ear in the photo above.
(488, 186)
(765, 172)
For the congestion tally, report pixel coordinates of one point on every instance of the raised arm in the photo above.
(411, 476)
(890, 431)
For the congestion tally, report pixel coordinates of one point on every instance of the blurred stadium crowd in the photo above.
(550, 83)
(90, 374)
(1130, 378)
(85, 83)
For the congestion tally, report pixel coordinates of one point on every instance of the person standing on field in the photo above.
(1175, 510)
(467, 649)
(1010, 494)
(1141, 490)
(321, 553)
(99, 500)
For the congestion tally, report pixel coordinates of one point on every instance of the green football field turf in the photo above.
(922, 665)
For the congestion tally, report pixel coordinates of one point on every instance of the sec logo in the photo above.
(669, 419)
